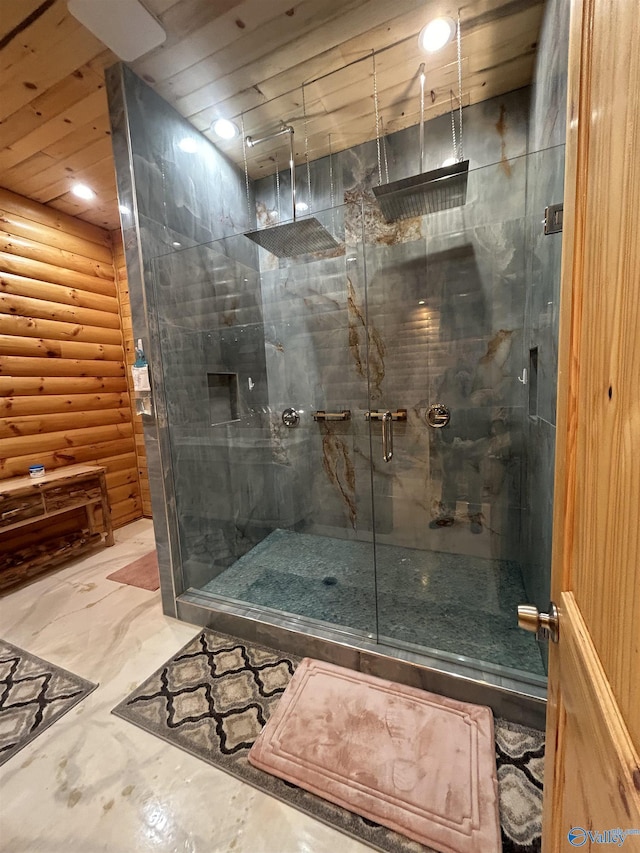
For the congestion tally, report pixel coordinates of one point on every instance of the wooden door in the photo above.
(592, 774)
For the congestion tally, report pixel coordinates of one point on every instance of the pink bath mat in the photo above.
(143, 573)
(420, 764)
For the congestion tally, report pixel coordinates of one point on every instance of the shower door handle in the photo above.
(387, 436)
(387, 418)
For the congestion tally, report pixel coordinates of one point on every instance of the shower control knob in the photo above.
(290, 418)
(438, 416)
(544, 625)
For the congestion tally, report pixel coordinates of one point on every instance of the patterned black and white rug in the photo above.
(215, 695)
(33, 694)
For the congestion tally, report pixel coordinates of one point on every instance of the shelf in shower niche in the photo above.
(223, 398)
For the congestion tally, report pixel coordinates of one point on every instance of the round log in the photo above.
(64, 440)
(43, 309)
(12, 407)
(38, 348)
(125, 511)
(126, 477)
(29, 268)
(11, 202)
(32, 327)
(128, 491)
(42, 233)
(125, 462)
(20, 285)
(13, 244)
(18, 386)
(33, 425)
(17, 465)
(16, 366)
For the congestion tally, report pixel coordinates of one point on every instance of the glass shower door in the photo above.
(266, 383)
(446, 298)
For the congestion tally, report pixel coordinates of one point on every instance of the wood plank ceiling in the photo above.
(241, 58)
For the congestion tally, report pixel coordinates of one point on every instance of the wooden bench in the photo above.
(27, 501)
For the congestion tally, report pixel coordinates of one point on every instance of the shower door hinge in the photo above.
(553, 218)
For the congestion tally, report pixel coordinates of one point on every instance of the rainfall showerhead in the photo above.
(294, 238)
(427, 192)
(430, 192)
(300, 236)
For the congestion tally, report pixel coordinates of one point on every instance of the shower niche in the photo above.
(223, 398)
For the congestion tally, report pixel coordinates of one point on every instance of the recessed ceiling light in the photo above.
(436, 34)
(225, 129)
(128, 29)
(83, 191)
(420, 301)
(124, 210)
(450, 161)
(188, 144)
(176, 244)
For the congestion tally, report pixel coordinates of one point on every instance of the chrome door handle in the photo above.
(544, 625)
(387, 436)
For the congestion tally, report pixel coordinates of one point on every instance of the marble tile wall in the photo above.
(434, 306)
(545, 180)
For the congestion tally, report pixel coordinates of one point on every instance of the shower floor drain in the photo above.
(329, 580)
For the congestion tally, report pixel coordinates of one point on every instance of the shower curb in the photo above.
(519, 700)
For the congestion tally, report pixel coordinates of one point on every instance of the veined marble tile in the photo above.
(93, 782)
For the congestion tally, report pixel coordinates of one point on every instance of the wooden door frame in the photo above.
(579, 108)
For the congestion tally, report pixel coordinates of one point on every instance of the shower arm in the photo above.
(288, 130)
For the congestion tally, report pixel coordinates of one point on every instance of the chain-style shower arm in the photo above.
(286, 129)
(459, 46)
(377, 110)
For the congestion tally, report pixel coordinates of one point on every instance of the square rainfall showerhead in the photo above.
(430, 192)
(294, 238)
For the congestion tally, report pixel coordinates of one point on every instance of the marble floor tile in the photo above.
(93, 782)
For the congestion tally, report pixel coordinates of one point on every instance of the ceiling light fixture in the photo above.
(188, 144)
(225, 129)
(83, 191)
(436, 34)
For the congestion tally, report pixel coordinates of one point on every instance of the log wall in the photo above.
(64, 385)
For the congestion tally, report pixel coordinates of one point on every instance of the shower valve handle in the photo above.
(438, 416)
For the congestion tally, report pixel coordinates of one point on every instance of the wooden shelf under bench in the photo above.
(28, 501)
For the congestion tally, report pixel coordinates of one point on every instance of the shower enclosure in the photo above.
(348, 429)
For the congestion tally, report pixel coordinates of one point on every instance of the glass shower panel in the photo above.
(212, 346)
(266, 383)
(446, 302)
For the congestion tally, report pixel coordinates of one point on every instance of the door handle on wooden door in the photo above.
(544, 625)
